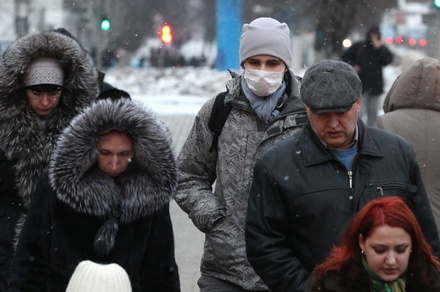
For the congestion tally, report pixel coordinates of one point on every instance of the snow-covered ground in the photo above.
(184, 90)
(169, 90)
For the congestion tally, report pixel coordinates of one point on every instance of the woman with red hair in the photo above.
(383, 249)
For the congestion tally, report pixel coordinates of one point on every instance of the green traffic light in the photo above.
(437, 3)
(105, 24)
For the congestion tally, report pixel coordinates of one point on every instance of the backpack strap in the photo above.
(219, 115)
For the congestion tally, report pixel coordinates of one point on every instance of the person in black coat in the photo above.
(368, 58)
(307, 188)
(45, 80)
(105, 198)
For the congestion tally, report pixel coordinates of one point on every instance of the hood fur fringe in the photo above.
(147, 185)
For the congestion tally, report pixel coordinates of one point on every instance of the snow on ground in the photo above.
(169, 90)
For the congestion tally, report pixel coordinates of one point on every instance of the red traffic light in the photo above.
(166, 35)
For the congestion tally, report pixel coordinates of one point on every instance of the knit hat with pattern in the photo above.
(44, 71)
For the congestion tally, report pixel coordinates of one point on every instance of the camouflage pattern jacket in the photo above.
(221, 214)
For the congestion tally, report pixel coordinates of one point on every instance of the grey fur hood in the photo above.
(147, 185)
(23, 140)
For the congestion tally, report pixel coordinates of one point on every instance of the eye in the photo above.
(125, 153)
(104, 152)
(36, 92)
(273, 63)
(379, 250)
(401, 250)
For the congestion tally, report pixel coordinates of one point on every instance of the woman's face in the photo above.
(387, 250)
(42, 102)
(115, 152)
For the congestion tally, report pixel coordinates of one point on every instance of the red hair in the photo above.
(390, 211)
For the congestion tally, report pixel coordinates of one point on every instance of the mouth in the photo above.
(112, 173)
(333, 134)
(45, 110)
(390, 271)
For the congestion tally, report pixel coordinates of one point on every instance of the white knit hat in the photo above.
(266, 36)
(44, 71)
(93, 277)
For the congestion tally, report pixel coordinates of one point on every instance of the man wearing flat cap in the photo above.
(307, 188)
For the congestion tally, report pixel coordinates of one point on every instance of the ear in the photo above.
(308, 110)
(359, 102)
(361, 242)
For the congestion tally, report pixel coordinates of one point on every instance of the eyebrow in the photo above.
(404, 244)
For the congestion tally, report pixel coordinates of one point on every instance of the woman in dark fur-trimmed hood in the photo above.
(27, 139)
(81, 212)
(23, 139)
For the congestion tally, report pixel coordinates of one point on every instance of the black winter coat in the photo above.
(26, 145)
(76, 200)
(302, 198)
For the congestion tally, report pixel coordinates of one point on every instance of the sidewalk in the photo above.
(188, 239)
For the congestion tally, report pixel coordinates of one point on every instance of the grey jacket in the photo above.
(412, 110)
(25, 145)
(221, 213)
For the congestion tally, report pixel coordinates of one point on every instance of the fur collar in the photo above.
(146, 186)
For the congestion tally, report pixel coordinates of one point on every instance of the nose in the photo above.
(391, 259)
(45, 99)
(332, 121)
(114, 163)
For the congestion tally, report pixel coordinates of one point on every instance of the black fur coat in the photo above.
(76, 203)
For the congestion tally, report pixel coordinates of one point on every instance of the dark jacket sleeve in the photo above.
(160, 271)
(384, 55)
(7, 177)
(351, 54)
(267, 235)
(30, 265)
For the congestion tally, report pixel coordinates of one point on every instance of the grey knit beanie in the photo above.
(266, 36)
(44, 71)
(93, 277)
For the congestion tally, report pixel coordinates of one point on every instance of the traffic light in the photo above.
(437, 3)
(105, 24)
(166, 35)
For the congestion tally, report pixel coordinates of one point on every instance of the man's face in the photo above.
(336, 129)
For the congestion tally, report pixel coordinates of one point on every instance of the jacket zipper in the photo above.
(350, 180)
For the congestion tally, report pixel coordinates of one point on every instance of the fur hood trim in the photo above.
(147, 185)
(22, 138)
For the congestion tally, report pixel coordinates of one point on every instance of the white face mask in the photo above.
(263, 83)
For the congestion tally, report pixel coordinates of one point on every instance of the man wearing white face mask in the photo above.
(266, 108)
